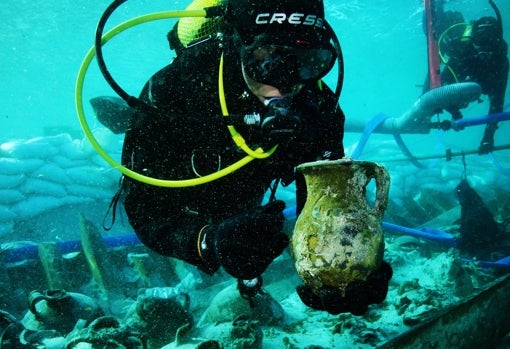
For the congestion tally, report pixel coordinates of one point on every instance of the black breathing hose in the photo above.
(340, 59)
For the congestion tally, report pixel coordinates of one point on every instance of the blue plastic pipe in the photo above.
(21, 253)
(480, 120)
(432, 234)
(502, 264)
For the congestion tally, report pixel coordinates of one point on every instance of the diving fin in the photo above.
(112, 112)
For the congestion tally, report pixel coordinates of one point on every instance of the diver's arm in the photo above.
(174, 235)
(244, 244)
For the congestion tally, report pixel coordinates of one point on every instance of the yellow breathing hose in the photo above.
(257, 154)
(443, 59)
(236, 136)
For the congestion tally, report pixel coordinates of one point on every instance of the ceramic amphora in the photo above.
(338, 236)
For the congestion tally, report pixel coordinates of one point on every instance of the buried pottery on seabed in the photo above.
(158, 314)
(59, 310)
(338, 238)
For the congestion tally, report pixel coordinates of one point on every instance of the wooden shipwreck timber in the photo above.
(480, 321)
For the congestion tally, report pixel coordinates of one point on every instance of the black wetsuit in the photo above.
(188, 136)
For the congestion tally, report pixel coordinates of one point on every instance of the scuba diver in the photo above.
(260, 75)
(474, 52)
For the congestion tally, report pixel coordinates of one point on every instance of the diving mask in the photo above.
(284, 65)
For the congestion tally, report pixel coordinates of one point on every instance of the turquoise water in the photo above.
(45, 182)
(42, 44)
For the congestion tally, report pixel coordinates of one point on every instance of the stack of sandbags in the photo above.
(46, 173)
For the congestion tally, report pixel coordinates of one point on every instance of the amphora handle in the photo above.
(382, 184)
(55, 298)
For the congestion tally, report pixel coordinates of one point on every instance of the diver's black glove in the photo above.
(281, 123)
(487, 143)
(245, 244)
(358, 295)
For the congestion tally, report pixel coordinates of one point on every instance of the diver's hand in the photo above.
(245, 244)
(281, 123)
(358, 295)
(487, 143)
